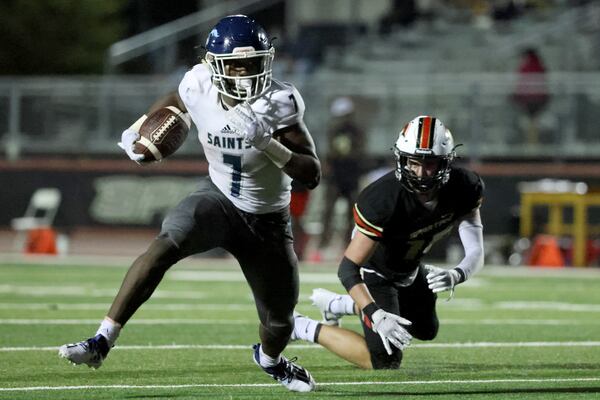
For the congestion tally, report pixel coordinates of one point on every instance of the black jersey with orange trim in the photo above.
(388, 213)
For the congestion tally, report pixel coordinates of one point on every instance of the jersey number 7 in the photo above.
(236, 172)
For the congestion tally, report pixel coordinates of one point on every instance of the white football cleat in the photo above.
(91, 352)
(289, 374)
(322, 298)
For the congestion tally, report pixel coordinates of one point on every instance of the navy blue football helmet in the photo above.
(238, 40)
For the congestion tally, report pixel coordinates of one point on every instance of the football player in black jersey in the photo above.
(398, 218)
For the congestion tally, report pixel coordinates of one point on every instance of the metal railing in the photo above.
(168, 35)
(85, 115)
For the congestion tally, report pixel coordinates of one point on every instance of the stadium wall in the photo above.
(118, 193)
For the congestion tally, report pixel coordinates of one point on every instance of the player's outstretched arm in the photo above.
(389, 326)
(470, 230)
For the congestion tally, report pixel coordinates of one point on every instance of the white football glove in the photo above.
(128, 139)
(390, 328)
(243, 121)
(440, 279)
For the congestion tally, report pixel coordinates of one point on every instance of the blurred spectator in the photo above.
(298, 205)
(402, 13)
(426, 10)
(342, 167)
(531, 94)
(504, 11)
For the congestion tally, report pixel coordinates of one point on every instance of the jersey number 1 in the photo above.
(236, 172)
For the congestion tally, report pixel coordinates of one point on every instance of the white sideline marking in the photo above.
(353, 321)
(247, 385)
(516, 321)
(237, 276)
(462, 304)
(547, 305)
(137, 321)
(329, 268)
(314, 346)
(40, 291)
(105, 306)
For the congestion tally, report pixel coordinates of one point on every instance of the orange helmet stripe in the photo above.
(426, 132)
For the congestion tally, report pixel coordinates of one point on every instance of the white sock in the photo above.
(305, 328)
(110, 330)
(267, 361)
(342, 304)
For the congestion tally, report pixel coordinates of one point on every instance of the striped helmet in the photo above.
(424, 138)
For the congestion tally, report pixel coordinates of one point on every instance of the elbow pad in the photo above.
(349, 273)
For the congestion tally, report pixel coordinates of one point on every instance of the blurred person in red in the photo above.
(531, 94)
(298, 205)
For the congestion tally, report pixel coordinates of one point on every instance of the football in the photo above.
(162, 133)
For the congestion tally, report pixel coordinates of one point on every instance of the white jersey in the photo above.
(244, 174)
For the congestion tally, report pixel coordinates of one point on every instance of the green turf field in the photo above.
(508, 334)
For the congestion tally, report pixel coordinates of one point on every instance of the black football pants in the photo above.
(416, 303)
(262, 244)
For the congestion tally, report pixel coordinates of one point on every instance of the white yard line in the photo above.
(268, 385)
(465, 345)
(518, 321)
(237, 276)
(352, 321)
(461, 304)
(137, 321)
(72, 291)
(328, 268)
(546, 305)
(104, 306)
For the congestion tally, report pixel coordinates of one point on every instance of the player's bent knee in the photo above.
(160, 256)
(279, 327)
(428, 332)
(385, 361)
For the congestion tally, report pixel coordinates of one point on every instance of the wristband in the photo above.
(461, 275)
(138, 124)
(278, 153)
(368, 312)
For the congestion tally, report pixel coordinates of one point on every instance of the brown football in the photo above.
(162, 133)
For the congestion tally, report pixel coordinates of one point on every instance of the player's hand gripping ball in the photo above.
(162, 133)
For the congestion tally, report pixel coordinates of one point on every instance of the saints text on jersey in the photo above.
(230, 141)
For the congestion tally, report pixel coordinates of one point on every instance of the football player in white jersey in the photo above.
(254, 138)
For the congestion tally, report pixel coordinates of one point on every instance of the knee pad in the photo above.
(279, 327)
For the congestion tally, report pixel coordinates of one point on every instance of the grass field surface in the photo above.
(509, 333)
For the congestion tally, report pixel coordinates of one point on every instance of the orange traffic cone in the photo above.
(545, 252)
(41, 241)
